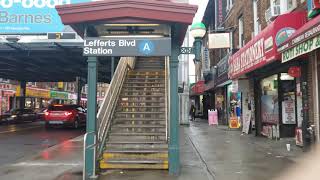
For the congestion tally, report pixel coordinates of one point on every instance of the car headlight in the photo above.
(14, 116)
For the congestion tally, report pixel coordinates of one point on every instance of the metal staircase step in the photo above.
(142, 91)
(141, 112)
(137, 151)
(138, 134)
(136, 106)
(139, 119)
(141, 101)
(138, 82)
(136, 142)
(136, 146)
(138, 96)
(145, 78)
(135, 161)
(140, 126)
(126, 86)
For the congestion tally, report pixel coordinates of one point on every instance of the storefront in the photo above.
(198, 99)
(304, 44)
(35, 98)
(222, 95)
(6, 92)
(270, 93)
(59, 97)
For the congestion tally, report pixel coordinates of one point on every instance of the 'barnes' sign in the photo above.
(127, 47)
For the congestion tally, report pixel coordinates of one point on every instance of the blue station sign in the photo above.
(31, 16)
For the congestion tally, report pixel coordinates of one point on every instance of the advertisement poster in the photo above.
(246, 122)
(270, 109)
(31, 16)
(234, 123)
(288, 112)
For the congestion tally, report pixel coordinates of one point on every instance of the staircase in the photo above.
(138, 133)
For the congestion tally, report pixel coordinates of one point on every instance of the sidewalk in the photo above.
(207, 153)
(63, 161)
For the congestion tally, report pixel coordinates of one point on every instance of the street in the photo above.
(22, 140)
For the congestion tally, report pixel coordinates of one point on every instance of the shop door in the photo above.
(287, 97)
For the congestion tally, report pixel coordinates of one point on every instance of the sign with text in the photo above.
(262, 49)
(31, 16)
(127, 47)
(219, 40)
(300, 49)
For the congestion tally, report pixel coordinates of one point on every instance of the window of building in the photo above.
(284, 6)
(241, 32)
(256, 22)
(229, 5)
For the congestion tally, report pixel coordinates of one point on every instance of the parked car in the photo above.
(65, 115)
(18, 116)
(40, 114)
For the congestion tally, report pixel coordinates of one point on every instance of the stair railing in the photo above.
(167, 95)
(108, 106)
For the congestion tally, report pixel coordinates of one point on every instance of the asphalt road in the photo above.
(22, 140)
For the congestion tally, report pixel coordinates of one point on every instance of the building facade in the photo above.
(248, 81)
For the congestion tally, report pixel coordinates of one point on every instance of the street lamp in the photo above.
(197, 31)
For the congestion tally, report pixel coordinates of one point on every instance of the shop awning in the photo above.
(262, 49)
(198, 88)
(304, 40)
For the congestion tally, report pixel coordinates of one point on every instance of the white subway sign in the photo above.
(127, 47)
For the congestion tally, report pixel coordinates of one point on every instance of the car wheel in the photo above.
(76, 124)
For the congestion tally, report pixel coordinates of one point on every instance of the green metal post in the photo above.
(91, 118)
(174, 155)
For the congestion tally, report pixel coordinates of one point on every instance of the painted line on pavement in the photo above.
(11, 131)
(45, 164)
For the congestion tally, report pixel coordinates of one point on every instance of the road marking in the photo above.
(16, 130)
(46, 164)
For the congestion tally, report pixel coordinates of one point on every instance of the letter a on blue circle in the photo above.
(146, 47)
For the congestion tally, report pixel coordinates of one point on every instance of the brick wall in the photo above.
(240, 8)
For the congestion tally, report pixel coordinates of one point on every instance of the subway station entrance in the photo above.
(137, 126)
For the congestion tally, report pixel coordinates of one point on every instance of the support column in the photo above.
(23, 89)
(174, 154)
(90, 161)
(78, 88)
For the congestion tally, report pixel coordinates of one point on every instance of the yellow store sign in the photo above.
(34, 92)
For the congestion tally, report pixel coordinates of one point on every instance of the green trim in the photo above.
(198, 25)
(90, 162)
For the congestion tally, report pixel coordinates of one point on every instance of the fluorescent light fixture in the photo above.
(142, 36)
(125, 25)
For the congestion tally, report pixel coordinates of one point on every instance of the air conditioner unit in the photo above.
(272, 12)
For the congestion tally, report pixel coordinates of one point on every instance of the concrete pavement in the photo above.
(217, 153)
(207, 153)
(26, 139)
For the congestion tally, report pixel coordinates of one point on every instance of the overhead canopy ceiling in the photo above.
(47, 61)
(63, 61)
(94, 14)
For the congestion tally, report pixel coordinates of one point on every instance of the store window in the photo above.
(270, 106)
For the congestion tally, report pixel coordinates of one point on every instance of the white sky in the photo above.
(198, 18)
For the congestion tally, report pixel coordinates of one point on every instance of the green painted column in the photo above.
(89, 160)
(174, 154)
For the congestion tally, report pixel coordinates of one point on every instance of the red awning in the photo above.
(262, 49)
(198, 88)
(306, 32)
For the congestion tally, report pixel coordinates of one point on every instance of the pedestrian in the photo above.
(193, 112)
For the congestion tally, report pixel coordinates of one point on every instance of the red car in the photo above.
(65, 115)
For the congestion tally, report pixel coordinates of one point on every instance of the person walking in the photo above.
(193, 112)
